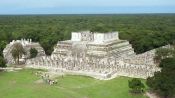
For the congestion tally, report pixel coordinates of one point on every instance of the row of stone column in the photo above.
(98, 65)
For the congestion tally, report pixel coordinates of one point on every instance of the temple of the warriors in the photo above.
(99, 55)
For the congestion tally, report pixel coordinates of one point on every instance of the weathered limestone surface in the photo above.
(99, 55)
(27, 45)
(101, 68)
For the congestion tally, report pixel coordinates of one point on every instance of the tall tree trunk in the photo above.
(18, 59)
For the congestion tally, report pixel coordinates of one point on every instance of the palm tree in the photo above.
(17, 52)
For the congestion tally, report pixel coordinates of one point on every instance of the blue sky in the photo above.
(86, 6)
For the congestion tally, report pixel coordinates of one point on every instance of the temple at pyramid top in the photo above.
(95, 37)
(94, 44)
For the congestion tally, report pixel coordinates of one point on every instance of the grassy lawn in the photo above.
(22, 84)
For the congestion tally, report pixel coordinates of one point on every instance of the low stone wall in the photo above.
(10, 69)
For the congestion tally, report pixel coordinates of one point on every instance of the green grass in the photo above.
(22, 85)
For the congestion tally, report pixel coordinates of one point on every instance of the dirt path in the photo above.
(151, 95)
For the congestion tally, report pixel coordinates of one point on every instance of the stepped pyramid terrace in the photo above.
(87, 43)
(99, 55)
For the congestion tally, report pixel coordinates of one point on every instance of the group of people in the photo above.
(45, 78)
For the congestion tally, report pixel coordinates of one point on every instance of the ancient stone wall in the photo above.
(27, 45)
(99, 60)
(101, 68)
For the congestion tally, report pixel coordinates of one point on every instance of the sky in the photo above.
(86, 6)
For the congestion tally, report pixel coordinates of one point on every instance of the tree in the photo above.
(163, 82)
(17, 52)
(33, 53)
(2, 62)
(48, 42)
(2, 46)
(99, 28)
(163, 53)
(136, 85)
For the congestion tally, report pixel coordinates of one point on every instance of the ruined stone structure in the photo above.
(94, 44)
(99, 55)
(27, 45)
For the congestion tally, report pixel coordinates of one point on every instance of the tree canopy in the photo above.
(136, 85)
(33, 53)
(163, 82)
(163, 53)
(2, 62)
(144, 31)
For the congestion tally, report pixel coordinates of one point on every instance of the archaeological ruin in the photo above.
(99, 55)
(27, 45)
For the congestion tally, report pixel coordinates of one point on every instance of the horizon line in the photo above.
(89, 13)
